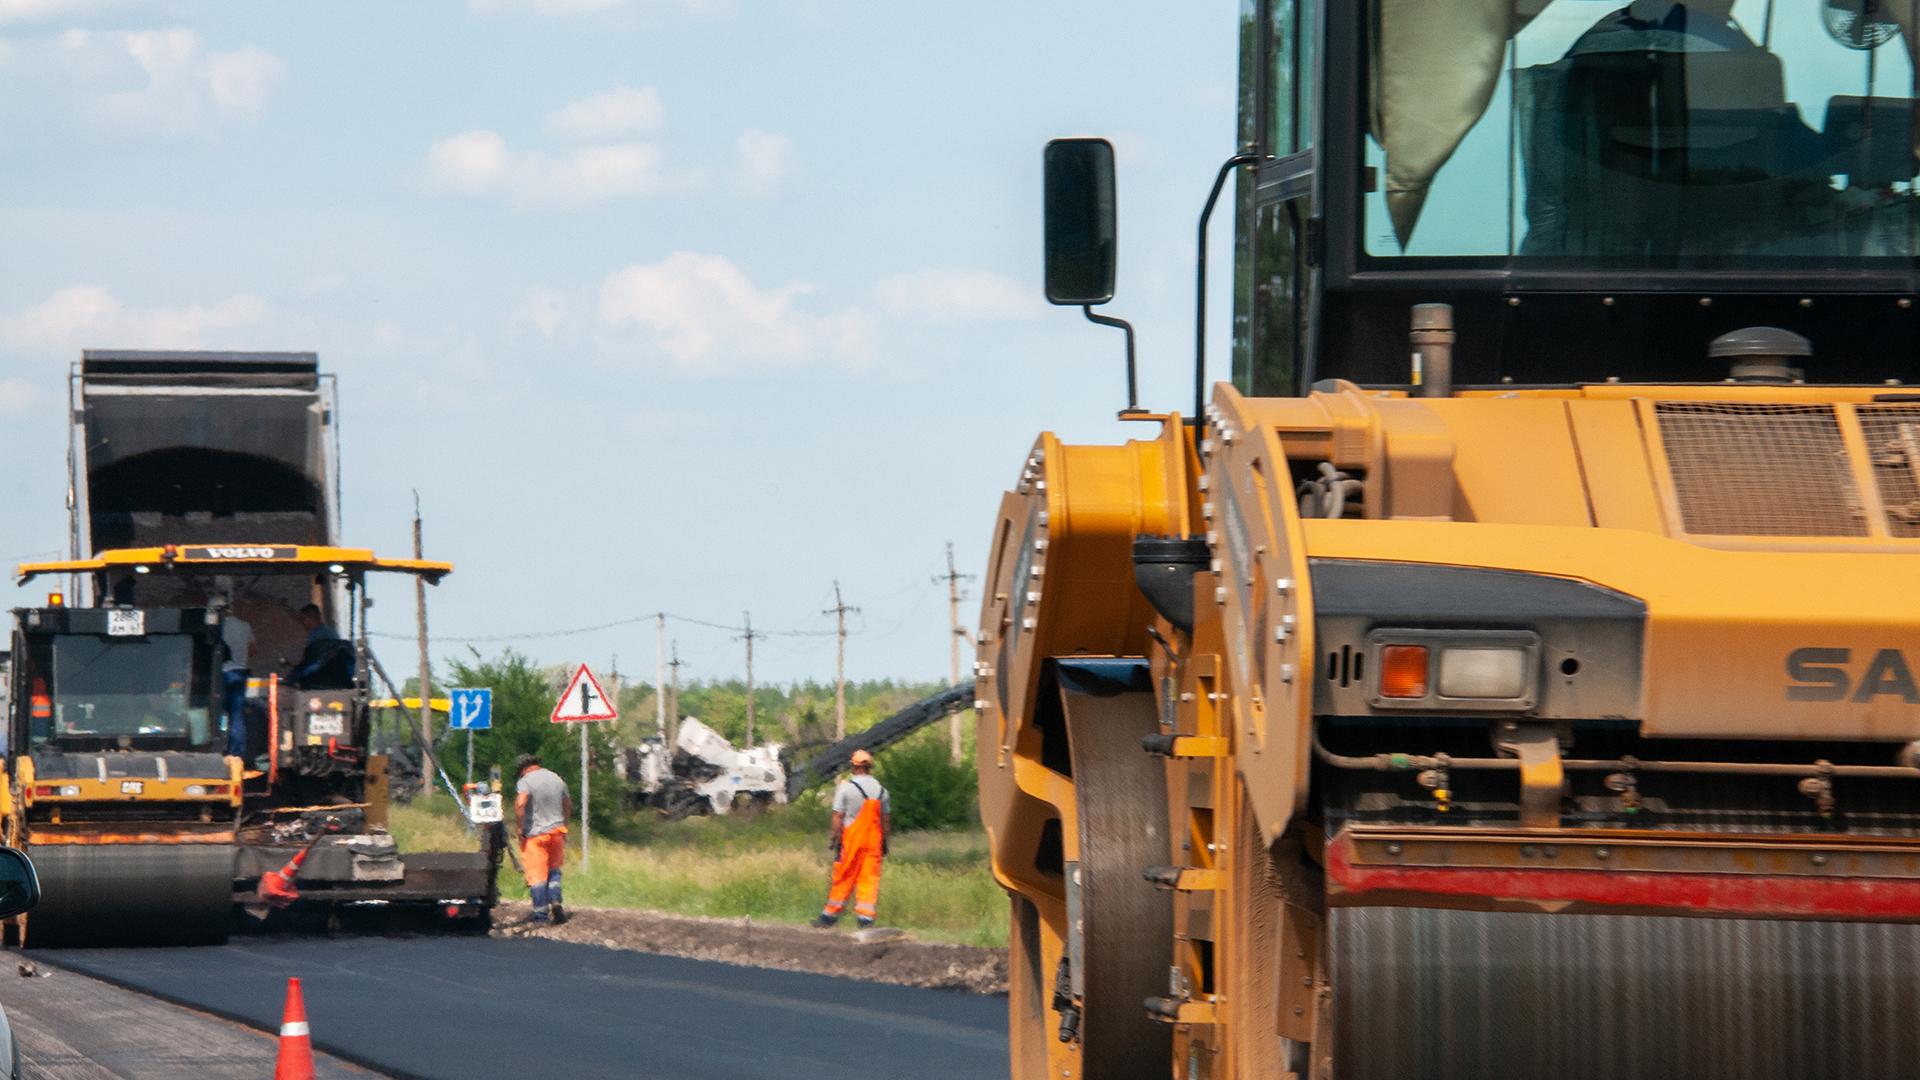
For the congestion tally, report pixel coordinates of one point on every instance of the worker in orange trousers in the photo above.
(862, 814)
(541, 807)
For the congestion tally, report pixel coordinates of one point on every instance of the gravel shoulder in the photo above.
(743, 942)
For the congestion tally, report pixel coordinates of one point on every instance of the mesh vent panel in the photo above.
(1760, 470)
(1893, 443)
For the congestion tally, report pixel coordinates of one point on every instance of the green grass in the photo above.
(772, 867)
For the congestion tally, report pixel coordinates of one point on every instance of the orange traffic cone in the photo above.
(296, 1047)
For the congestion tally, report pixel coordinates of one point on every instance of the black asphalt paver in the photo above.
(462, 1007)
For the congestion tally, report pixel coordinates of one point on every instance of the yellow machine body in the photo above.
(1777, 616)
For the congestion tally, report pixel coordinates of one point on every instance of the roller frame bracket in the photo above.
(1543, 779)
(1170, 1011)
(1187, 746)
(1186, 878)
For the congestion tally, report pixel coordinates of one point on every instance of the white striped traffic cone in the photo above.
(296, 1045)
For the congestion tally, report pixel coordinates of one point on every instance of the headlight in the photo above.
(1454, 669)
(196, 789)
(1483, 673)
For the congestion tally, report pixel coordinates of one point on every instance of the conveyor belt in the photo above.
(131, 894)
(1452, 995)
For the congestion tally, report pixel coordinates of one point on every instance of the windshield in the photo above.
(1655, 134)
(133, 687)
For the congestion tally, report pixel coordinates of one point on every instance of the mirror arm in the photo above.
(1133, 388)
(1246, 157)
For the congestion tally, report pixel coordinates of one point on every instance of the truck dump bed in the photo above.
(205, 447)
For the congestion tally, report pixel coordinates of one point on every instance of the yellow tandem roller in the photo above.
(132, 894)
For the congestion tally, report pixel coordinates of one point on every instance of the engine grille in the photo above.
(1744, 469)
(1893, 445)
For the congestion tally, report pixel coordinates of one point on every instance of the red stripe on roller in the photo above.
(1717, 894)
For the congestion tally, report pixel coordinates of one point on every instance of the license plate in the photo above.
(484, 809)
(121, 623)
(318, 724)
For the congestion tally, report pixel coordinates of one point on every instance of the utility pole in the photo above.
(426, 674)
(746, 618)
(839, 611)
(660, 674)
(673, 705)
(953, 578)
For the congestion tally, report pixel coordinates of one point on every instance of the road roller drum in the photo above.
(132, 894)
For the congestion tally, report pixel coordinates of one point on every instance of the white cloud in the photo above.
(620, 111)
(88, 316)
(952, 295)
(707, 316)
(17, 397)
(764, 157)
(472, 161)
(544, 7)
(481, 163)
(542, 310)
(40, 10)
(589, 7)
(187, 84)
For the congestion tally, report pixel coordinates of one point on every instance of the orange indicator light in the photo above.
(1403, 671)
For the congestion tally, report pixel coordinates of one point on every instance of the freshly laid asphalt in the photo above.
(462, 1007)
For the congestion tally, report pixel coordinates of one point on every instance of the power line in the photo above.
(527, 635)
(953, 578)
(839, 611)
(748, 635)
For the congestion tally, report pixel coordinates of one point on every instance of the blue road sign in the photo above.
(472, 708)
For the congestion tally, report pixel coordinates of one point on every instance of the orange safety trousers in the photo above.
(856, 872)
(543, 853)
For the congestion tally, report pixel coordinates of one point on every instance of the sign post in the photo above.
(583, 702)
(471, 711)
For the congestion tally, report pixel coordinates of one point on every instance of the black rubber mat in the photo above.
(465, 1007)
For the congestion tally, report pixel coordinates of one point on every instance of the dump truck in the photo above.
(1510, 671)
(205, 491)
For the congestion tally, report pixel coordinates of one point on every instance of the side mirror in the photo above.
(19, 885)
(1079, 221)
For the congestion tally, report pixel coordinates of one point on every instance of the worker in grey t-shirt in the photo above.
(862, 822)
(541, 807)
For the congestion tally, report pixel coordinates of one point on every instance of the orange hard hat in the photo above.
(861, 757)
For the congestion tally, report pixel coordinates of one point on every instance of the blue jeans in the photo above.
(234, 685)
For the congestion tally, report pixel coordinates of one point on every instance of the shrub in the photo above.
(928, 790)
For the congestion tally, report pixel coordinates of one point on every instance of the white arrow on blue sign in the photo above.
(472, 708)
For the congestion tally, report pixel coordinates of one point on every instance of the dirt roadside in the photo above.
(902, 961)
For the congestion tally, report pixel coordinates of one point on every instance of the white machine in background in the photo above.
(705, 774)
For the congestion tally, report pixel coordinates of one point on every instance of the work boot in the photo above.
(559, 914)
(865, 923)
(825, 922)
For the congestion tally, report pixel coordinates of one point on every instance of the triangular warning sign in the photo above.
(583, 700)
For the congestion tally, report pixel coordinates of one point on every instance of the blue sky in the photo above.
(683, 305)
